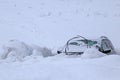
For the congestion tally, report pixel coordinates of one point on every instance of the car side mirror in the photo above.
(59, 52)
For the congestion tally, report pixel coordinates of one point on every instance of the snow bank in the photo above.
(62, 68)
(41, 51)
(17, 50)
(92, 53)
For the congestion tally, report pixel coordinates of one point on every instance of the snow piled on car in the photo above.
(92, 53)
(17, 50)
(20, 61)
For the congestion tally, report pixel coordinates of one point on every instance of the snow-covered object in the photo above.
(41, 51)
(92, 53)
(17, 50)
(79, 44)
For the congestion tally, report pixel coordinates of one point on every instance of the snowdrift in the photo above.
(19, 57)
(62, 68)
(15, 50)
(92, 53)
(18, 50)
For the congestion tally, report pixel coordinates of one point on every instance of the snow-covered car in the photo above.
(78, 44)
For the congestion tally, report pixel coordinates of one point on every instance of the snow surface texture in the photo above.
(17, 50)
(23, 62)
(62, 67)
(92, 53)
(51, 23)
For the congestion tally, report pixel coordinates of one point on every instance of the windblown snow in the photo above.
(32, 30)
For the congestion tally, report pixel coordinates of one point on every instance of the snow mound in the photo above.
(17, 50)
(55, 68)
(92, 53)
(41, 51)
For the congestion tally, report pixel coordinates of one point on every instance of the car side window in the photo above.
(105, 44)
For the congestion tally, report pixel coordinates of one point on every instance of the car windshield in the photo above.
(83, 42)
(79, 44)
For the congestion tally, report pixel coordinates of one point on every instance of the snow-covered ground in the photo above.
(30, 30)
(20, 61)
(62, 67)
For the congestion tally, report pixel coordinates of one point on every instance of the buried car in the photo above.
(77, 45)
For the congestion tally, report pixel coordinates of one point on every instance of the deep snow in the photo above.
(35, 63)
(51, 23)
(17, 50)
(62, 67)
